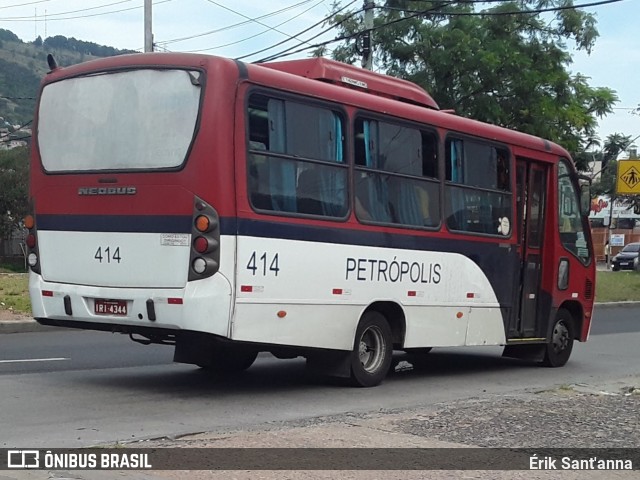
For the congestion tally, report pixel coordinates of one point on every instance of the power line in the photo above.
(229, 27)
(48, 19)
(19, 128)
(2, 140)
(17, 98)
(23, 4)
(513, 12)
(30, 18)
(264, 24)
(305, 31)
(261, 33)
(288, 52)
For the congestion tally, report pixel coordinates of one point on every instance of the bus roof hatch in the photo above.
(357, 78)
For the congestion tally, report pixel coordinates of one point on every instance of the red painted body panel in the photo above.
(216, 168)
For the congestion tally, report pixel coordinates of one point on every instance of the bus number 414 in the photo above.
(259, 264)
(108, 255)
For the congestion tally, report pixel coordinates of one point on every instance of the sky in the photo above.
(223, 27)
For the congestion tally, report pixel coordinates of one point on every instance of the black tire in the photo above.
(227, 360)
(558, 350)
(615, 269)
(372, 351)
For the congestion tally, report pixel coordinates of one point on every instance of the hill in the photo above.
(23, 64)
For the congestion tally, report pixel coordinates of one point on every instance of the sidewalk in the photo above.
(17, 323)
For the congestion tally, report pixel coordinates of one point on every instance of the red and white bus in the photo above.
(304, 208)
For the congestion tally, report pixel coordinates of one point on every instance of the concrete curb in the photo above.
(26, 325)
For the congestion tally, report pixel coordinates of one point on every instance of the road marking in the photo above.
(35, 360)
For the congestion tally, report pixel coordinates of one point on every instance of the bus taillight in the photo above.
(205, 251)
(201, 245)
(199, 265)
(29, 222)
(203, 223)
(31, 242)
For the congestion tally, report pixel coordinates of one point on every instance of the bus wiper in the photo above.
(195, 80)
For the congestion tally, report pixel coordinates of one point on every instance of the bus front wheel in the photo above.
(558, 350)
(372, 350)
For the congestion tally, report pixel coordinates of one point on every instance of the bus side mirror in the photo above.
(585, 195)
(585, 199)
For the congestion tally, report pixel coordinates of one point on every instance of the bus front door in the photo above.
(531, 190)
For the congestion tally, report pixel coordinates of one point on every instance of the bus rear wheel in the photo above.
(227, 360)
(372, 350)
(558, 350)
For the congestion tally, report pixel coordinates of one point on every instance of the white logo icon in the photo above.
(23, 459)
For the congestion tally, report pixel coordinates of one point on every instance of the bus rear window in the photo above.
(133, 120)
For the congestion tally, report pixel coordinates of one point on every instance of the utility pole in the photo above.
(367, 51)
(148, 35)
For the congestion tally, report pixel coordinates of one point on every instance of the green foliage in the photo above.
(8, 35)
(87, 48)
(19, 84)
(12, 264)
(14, 293)
(14, 185)
(22, 65)
(506, 69)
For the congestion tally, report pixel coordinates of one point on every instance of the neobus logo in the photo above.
(107, 191)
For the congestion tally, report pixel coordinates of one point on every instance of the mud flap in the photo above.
(533, 352)
(334, 363)
(194, 348)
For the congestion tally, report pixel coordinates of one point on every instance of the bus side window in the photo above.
(310, 193)
(302, 170)
(372, 195)
(390, 185)
(258, 177)
(478, 192)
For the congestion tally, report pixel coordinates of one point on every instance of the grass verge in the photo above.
(14, 293)
(617, 286)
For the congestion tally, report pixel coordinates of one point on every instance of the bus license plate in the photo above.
(110, 307)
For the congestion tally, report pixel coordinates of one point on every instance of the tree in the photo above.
(14, 185)
(504, 67)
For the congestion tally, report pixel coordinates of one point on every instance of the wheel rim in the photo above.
(560, 340)
(371, 349)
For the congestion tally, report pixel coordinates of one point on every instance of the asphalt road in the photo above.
(75, 388)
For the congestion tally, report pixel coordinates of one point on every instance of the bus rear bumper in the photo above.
(201, 306)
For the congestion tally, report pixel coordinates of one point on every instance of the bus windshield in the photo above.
(131, 120)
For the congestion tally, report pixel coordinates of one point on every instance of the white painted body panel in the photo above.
(146, 259)
(207, 304)
(322, 289)
(446, 298)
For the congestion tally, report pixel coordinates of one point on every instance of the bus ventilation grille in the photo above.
(588, 290)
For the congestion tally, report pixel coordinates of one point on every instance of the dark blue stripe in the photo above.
(115, 223)
(407, 241)
(499, 263)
